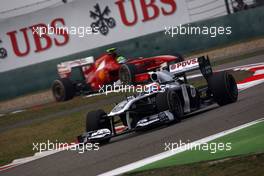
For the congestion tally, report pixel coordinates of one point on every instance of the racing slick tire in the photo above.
(223, 87)
(169, 100)
(96, 120)
(127, 74)
(63, 89)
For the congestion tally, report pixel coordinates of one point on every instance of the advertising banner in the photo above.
(54, 32)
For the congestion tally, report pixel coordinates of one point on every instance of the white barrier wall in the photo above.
(204, 9)
(123, 19)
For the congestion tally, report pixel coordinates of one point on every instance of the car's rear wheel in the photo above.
(223, 87)
(169, 100)
(96, 120)
(127, 74)
(63, 89)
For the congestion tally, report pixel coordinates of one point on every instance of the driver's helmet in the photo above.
(121, 59)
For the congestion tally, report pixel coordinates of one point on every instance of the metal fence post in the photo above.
(227, 7)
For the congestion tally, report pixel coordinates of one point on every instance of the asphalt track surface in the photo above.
(135, 146)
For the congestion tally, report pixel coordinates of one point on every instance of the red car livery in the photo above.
(106, 69)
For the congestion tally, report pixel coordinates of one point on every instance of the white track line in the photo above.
(36, 156)
(39, 155)
(17, 111)
(166, 154)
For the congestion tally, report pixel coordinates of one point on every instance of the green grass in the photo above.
(252, 165)
(17, 143)
(246, 141)
(49, 109)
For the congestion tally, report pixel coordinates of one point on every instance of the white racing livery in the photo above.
(168, 105)
(65, 68)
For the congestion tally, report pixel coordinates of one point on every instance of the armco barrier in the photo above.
(245, 25)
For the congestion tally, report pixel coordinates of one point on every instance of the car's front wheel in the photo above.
(96, 120)
(169, 100)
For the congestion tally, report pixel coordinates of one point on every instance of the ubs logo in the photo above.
(3, 51)
(103, 22)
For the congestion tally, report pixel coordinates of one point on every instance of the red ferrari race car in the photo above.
(86, 76)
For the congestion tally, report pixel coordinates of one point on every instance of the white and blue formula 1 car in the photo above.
(176, 99)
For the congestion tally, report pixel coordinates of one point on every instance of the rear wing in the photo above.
(201, 63)
(65, 67)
